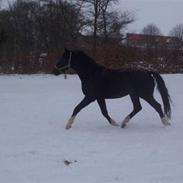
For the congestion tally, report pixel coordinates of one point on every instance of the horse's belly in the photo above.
(115, 93)
(114, 96)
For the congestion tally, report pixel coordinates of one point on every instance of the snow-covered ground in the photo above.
(36, 148)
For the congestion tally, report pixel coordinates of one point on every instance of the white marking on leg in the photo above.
(125, 121)
(113, 123)
(70, 122)
(165, 121)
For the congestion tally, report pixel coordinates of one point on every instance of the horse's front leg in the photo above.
(86, 101)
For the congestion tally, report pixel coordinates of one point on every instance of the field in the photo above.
(36, 148)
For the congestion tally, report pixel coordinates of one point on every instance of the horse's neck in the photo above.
(86, 71)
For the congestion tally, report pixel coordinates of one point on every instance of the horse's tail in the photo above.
(164, 94)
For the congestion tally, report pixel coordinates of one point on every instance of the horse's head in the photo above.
(64, 63)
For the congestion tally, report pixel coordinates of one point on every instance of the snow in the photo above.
(35, 147)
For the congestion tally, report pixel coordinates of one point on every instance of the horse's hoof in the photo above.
(70, 122)
(113, 123)
(123, 125)
(165, 121)
(167, 124)
(125, 121)
(68, 127)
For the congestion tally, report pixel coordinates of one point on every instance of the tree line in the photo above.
(33, 33)
(167, 54)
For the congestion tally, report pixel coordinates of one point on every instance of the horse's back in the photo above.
(130, 81)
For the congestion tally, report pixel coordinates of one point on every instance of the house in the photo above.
(153, 41)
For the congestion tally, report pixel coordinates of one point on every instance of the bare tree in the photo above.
(113, 24)
(0, 25)
(94, 7)
(28, 27)
(105, 14)
(151, 29)
(104, 20)
(177, 31)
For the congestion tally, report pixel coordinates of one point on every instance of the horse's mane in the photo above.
(86, 57)
(91, 61)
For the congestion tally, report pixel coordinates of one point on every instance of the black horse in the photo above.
(100, 83)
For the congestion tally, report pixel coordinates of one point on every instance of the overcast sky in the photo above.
(164, 13)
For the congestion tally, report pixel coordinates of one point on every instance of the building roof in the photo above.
(152, 41)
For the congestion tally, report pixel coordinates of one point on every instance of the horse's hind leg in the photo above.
(86, 101)
(102, 105)
(151, 100)
(136, 108)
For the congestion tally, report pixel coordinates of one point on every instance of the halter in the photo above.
(66, 66)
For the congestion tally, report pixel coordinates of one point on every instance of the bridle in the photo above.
(65, 66)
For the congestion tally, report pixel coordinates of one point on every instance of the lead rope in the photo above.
(65, 75)
(69, 64)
